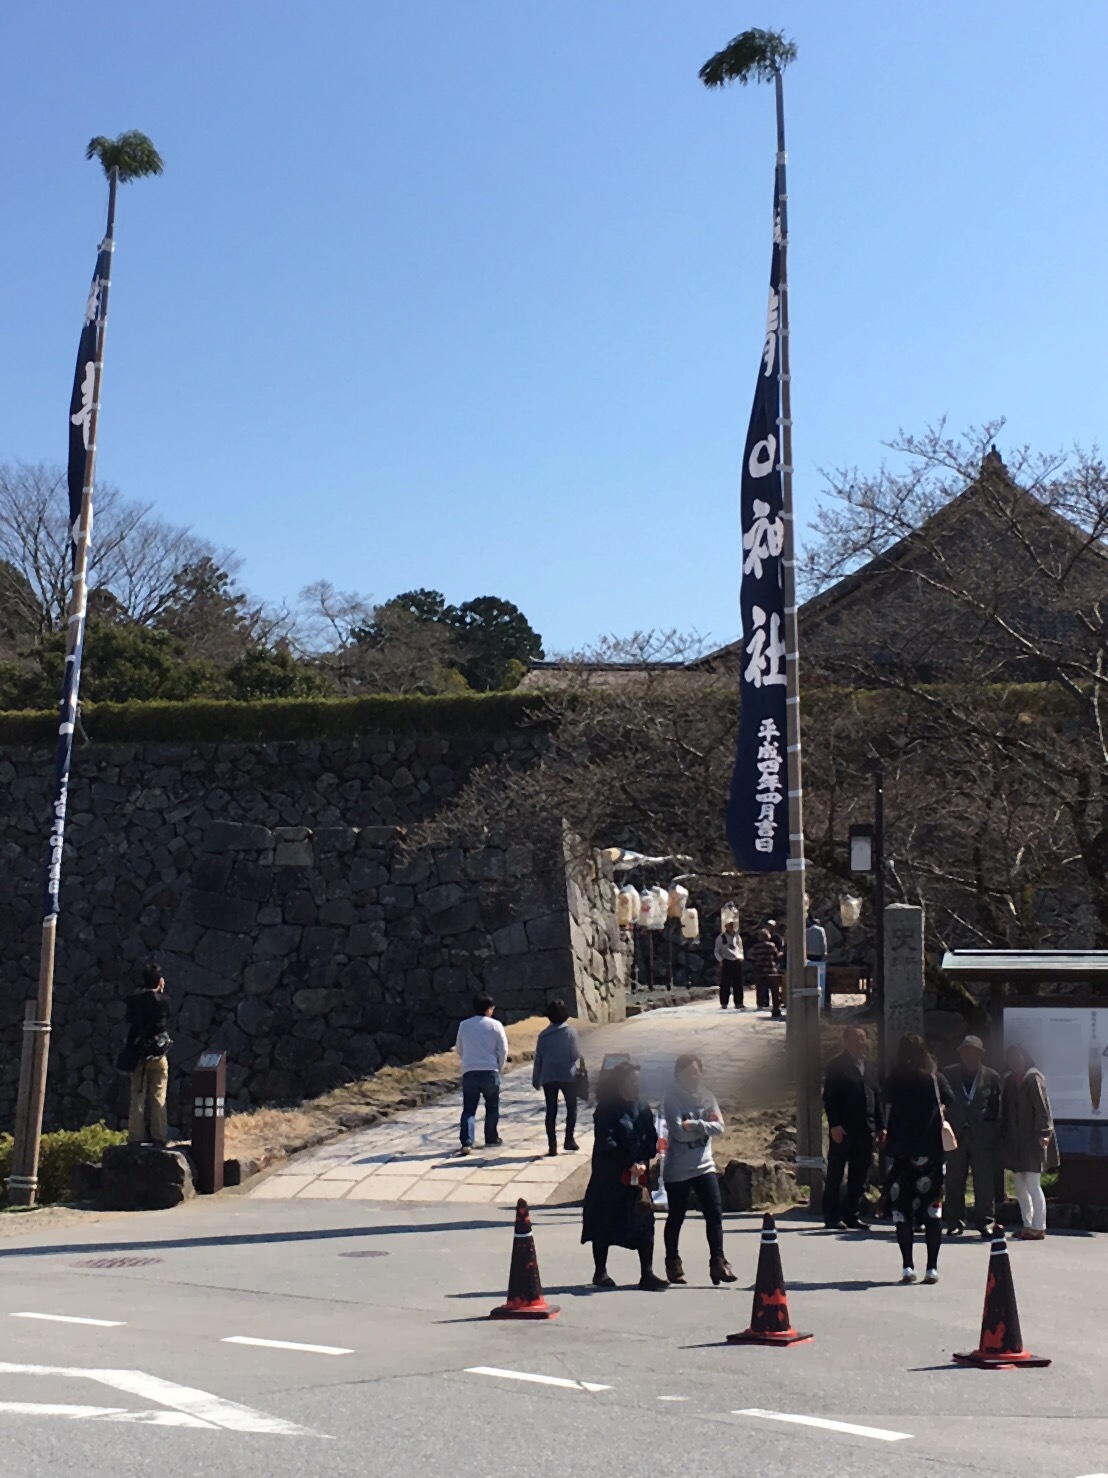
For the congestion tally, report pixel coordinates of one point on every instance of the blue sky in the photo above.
(470, 293)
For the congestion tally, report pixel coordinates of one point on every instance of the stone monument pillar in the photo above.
(903, 972)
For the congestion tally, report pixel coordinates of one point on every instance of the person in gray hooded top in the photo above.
(693, 1120)
(557, 1055)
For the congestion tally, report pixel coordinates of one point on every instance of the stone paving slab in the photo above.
(414, 1156)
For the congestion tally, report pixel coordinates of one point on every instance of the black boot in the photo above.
(651, 1283)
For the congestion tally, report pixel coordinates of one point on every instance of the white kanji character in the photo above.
(764, 668)
(763, 457)
(764, 539)
(92, 307)
(773, 320)
(82, 417)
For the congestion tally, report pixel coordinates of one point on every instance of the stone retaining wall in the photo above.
(295, 930)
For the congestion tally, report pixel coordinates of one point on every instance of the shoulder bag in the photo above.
(950, 1139)
(581, 1081)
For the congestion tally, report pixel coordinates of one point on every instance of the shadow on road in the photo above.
(841, 1285)
(561, 1290)
(251, 1239)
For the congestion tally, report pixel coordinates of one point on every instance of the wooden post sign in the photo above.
(209, 1091)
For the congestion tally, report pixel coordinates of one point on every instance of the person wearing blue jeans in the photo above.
(482, 1044)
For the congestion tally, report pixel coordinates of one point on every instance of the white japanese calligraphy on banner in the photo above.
(758, 841)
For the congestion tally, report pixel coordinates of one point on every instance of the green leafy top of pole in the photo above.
(131, 155)
(755, 56)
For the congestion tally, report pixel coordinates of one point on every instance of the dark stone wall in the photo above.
(295, 931)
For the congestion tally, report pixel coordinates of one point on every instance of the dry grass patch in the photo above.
(264, 1135)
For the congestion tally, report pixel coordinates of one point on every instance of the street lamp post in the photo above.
(867, 855)
(879, 910)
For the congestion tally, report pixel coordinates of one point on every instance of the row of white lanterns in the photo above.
(653, 906)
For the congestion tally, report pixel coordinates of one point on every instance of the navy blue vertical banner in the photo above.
(84, 383)
(757, 807)
(81, 409)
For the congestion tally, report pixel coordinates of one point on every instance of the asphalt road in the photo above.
(401, 1383)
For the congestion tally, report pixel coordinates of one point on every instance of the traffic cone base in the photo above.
(1011, 1361)
(519, 1310)
(769, 1318)
(525, 1296)
(786, 1337)
(1001, 1343)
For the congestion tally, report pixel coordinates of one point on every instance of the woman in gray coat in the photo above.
(1027, 1137)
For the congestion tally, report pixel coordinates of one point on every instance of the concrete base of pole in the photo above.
(809, 1098)
(32, 1076)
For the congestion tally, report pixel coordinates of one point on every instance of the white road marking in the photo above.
(673, 1398)
(285, 1344)
(539, 1380)
(202, 1406)
(72, 1319)
(161, 1419)
(44, 1408)
(879, 1433)
(104, 1414)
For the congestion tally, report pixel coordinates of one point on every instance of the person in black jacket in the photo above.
(144, 1056)
(916, 1098)
(618, 1211)
(856, 1127)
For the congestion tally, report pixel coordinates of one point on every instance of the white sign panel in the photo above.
(1069, 1046)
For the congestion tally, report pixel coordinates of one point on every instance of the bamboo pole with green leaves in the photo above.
(129, 157)
(762, 56)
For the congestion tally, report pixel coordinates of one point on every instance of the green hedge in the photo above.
(209, 720)
(214, 720)
(59, 1153)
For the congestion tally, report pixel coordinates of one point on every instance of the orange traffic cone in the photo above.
(769, 1319)
(525, 1295)
(1001, 1344)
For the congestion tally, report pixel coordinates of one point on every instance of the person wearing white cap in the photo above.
(974, 1116)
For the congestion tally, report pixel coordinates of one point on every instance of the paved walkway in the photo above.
(414, 1156)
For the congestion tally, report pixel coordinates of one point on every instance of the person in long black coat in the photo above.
(618, 1211)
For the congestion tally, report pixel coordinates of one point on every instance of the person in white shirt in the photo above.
(815, 948)
(483, 1047)
(729, 954)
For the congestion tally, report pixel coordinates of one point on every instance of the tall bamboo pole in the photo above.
(809, 1132)
(23, 1185)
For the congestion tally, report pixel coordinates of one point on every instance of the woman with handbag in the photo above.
(1027, 1137)
(919, 1139)
(558, 1069)
(693, 1120)
(618, 1209)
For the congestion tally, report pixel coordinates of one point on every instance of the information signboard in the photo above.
(1069, 1046)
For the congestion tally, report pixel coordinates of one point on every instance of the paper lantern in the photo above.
(660, 909)
(649, 909)
(690, 924)
(628, 907)
(850, 910)
(678, 899)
